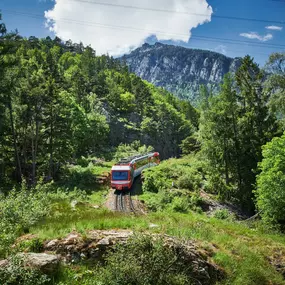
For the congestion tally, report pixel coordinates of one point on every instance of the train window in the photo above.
(120, 175)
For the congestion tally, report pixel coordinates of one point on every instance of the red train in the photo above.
(124, 172)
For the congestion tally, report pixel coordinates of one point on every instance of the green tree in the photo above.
(233, 128)
(270, 190)
(275, 85)
(218, 135)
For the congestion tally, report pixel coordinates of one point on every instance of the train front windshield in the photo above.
(120, 175)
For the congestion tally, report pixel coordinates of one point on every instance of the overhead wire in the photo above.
(178, 12)
(199, 38)
(202, 38)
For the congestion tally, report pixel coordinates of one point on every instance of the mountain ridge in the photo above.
(180, 70)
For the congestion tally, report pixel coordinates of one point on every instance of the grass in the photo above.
(242, 251)
(99, 196)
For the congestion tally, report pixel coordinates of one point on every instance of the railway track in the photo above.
(124, 203)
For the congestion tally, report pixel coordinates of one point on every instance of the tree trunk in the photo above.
(237, 151)
(17, 157)
(35, 154)
(226, 162)
(51, 147)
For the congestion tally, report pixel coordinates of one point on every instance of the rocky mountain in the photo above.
(180, 70)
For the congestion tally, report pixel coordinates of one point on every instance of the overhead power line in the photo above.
(179, 12)
(201, 38)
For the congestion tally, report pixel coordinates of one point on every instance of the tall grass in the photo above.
(241, 250)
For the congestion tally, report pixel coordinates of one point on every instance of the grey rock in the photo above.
(51, 244)
(180, 70)
(4, 263)
(46, 263)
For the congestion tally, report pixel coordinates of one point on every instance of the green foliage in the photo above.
(20, 210)
(135, 148)
(180, 204)
(216, 184)
(127, 102)
(236, 245)
(190, 179)
(224, 214)
(270, 192)
(32, 245)
(79, 176)
(233, 127)
(275, 84)
(59, 102)
(154, 180)
(190, 145)
(174, 184)
(145, 261)
(17, 273)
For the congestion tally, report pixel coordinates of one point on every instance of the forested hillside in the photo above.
(59, 101)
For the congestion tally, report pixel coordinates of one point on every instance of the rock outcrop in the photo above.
(180, 70)
(75, 248)
(94, 245)
(46, 263)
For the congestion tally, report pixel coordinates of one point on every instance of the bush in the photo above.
(79, 176)
(180, 204)
(159, 201)
(190, 180)
(135, 148)
(33, 245)
(20, 210)
(270, 192)
(154, 180)
(224, 214)
(16, 273)
(144, 261)
(216, 185)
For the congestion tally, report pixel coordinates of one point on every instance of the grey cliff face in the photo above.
(180, 70)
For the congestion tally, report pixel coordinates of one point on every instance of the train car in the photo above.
(124, 172)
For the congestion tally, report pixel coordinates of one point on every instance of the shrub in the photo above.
(270, 192)
(144, 261)
(79, 176)
(16, 273)
(22, 209)
(224, 214)
(216, 184)
(190, 180)
(154, 180)
(135, 148)
(158, 202)
(33, 245)
(25, 207)
(180, 204)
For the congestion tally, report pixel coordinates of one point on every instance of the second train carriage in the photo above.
(124, 172)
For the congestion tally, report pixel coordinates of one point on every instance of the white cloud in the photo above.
(274, 28)
(221, 49)
(116, 29)
(256, 36)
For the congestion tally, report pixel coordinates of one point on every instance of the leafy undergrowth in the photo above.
(241, 250)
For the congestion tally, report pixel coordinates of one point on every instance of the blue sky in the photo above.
(28, 17)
